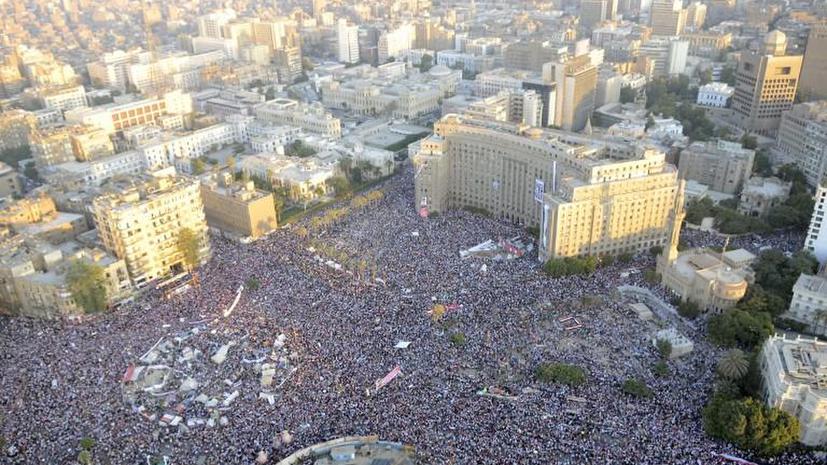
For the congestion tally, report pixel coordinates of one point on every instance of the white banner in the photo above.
(539, 190)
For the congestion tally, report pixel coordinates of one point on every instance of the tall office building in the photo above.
(576, 81)
(586, 199)
(814, 69)
(668, 54)
(765, 86)
(347, 41)
(593, 12)
(667, 17)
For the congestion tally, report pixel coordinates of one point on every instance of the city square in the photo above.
(343, 327)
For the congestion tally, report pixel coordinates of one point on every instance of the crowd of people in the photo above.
(62, 381)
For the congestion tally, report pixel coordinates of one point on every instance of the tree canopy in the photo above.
(87, 284)
(736, 327)
(749, 424)
(189, 246)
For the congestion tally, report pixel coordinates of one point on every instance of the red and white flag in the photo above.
(380, 383)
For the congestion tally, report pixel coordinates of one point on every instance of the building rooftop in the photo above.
(804, 361)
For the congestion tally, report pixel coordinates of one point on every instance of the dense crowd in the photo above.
(61, 381)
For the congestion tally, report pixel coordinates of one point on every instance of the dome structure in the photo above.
(439, 71)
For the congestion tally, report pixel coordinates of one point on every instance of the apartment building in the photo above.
(802, 139)
(814, 67)
(15, 129)
(347, 40)
(809, 303)
(33, 276)
(140, 221)
(584, 202)
(10, 184)
(576, 81)
(722, 166)
(62, 98)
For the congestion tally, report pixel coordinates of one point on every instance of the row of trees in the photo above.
(570, 266)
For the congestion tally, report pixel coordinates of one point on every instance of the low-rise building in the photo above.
(714, 94)
(237, 208)
(809, 303)
(715, 282)
(305, 179)
(721, 165)
(38, 217)
(140, 220)
(312, 118)
(62, 98)
(33, 276)
(15, 128)
(794, 369)
(760, 195)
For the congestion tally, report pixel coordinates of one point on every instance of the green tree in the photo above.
(661, 369)
(189, 246)
(637, 388)
(728, 75)
(85, 457)
(739, 328)
(734, 364)
(758, 300)
(560, 373)
(688, 309)
(340, 185)
(664, 348)
(87, 284)
(458, 339)
(426, 63)
(198, 166)
(749, 424)
(627, 94)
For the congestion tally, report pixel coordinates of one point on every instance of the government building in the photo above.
(794, 369)
(586, 195)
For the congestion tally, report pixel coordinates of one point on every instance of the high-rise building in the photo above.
(765, 87)
(813, 83)
(576, 81)
(141, 222)
(695, 16)
(668, 54)
(802, 139)
(667, 17)
(531, 55)
(347, 41)
(212, 24)
(395, 42)
(584, 201)
(594, 12)
(816, 241)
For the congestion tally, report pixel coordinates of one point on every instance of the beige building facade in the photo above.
(238, 208)
(722, 166)
(766, 84)
(140, 222)
(583, 202)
